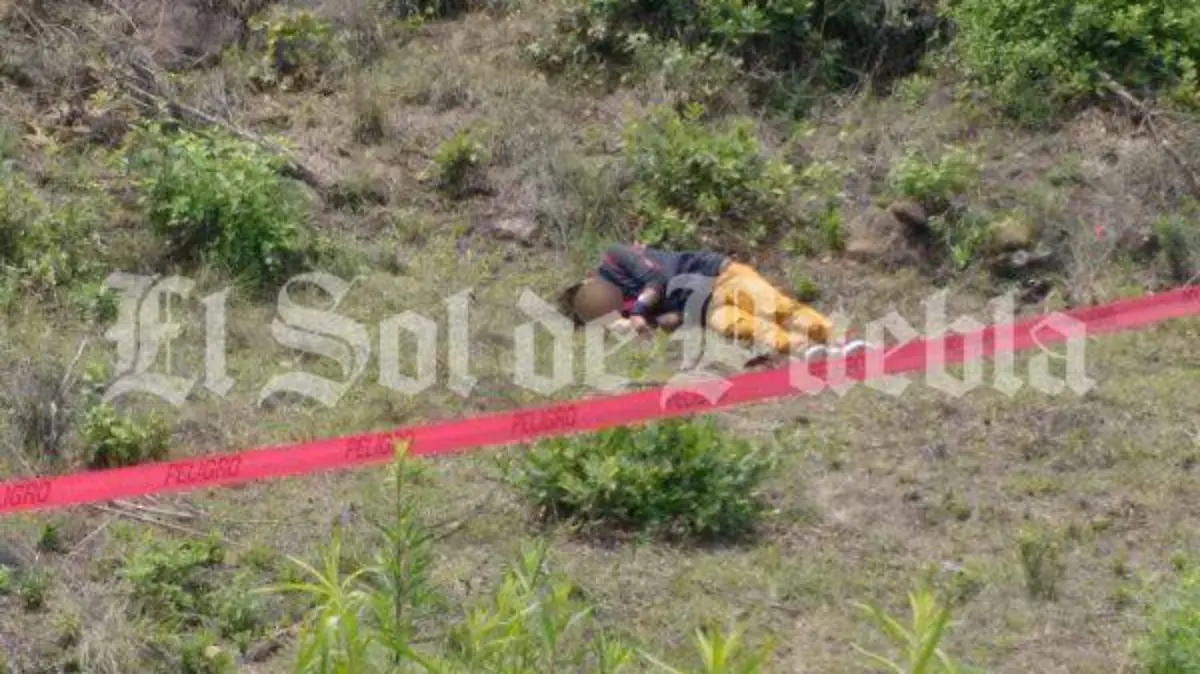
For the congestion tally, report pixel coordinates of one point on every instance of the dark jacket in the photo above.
(633, 268)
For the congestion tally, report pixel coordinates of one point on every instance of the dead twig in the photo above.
(155, 511)
(1149, 115)
(95, 532)
(136, 515)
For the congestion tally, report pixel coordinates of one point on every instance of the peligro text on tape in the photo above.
(565, 418)
(207, 469)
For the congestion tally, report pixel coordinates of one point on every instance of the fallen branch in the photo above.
(155, 511)
(1149, 114)
(133, 514)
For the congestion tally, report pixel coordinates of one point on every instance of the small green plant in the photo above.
(964, 236)
(934, 182)
(298, 48)
(679, 478)
(50, 539)
(1176, 247)
(458, 163)
(195, 653)
(918, 643)
(115, 440)
(168, 580)
(219, 199)
(722, 653)
(688, 179)
(914, 90)
(1171, 643)
(1041, 560)
(95, 302)
(32, 589)
(43, 246)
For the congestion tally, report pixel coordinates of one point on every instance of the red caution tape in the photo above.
(561, 419)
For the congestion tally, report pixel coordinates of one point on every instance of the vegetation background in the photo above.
(864, 154)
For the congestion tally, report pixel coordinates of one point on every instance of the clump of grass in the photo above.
(678, 478)
(33, 588)
(1176, 247)
(1041, 559)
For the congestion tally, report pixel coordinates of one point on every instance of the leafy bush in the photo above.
(165, 575)
(1175, 239)
(298, 47)
(43, 245)
(428, 9)
(688, 178)
(33, 589)
(1041, 559)
(934, 182)
(216, 196)
(458, 163)
(1171, 644)
(1036, 56)
(115, 440)
(677, 477)
(806, 40)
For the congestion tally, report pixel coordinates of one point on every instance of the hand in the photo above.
(620, 325)
(639, 324)
(670, 321)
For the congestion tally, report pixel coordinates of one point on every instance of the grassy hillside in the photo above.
(437, 153)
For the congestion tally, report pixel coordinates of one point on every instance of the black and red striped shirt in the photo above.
(634, 268)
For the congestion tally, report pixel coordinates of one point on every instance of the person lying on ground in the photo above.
(655, 289)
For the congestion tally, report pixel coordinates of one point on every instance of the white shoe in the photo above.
(851, 348)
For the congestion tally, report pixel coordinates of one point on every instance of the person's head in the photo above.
(590, 299)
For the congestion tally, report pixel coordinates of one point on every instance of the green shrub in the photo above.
(934, 182)
(167, 577)
(298, 47)
(43, 245)
(458, 163)
(676, 477)
(1041, 560)
(219, 197)
(1036, 57)
(428, 9)
(777, 42)
(33, 588)
(122, 440)
(1175, 239)
(690, 180)
(1171, 644)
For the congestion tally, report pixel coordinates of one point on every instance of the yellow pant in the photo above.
(746, 307)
